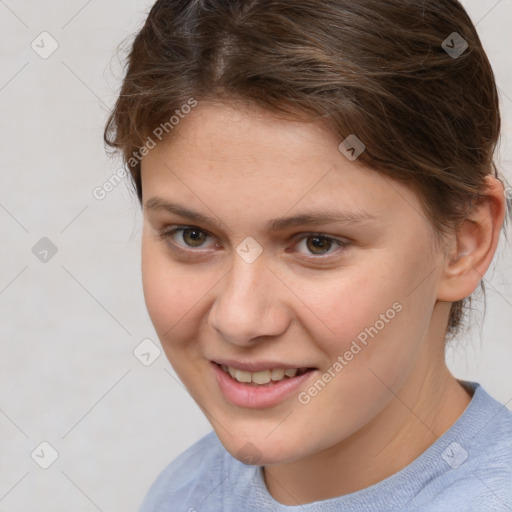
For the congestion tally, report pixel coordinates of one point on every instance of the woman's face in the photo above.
(264, 248)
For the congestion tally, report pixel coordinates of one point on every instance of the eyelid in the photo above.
(319, 234)
(302, 236)
(166, 234)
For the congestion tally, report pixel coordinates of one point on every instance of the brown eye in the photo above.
(318, 244)
(194, 237)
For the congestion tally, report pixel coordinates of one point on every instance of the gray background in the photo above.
(69, 326)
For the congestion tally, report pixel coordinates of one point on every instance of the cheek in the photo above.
(347, 305)
(379, 328)
(172, 294)
(375, 312)
(178, 298)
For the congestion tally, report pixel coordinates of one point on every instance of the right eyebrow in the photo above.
(159, 203)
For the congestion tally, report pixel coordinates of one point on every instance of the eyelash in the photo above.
(167, 236)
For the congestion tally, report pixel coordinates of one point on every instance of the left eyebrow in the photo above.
(319, 218)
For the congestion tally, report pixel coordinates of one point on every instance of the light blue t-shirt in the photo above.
(468, 469)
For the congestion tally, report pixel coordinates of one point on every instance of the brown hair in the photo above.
(379, 69)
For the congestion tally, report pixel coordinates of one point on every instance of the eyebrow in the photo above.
(278, 224)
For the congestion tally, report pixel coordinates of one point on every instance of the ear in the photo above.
(474, 244)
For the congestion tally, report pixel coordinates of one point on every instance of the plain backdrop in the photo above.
(71, 305)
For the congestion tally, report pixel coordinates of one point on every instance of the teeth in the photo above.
(242, 376)
(261, 377)
(264, 376)
(277, 374)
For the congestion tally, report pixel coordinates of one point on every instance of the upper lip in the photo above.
(257, 366)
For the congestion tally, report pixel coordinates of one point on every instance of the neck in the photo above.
(425, 407)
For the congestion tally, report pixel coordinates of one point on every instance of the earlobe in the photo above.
(474, 245)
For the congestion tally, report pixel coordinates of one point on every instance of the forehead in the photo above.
(228, 135)
(256, 161)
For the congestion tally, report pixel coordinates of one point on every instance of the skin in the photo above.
(244, 167)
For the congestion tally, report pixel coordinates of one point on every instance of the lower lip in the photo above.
(258, 397)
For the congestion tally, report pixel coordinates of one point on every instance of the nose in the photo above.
(249, 305)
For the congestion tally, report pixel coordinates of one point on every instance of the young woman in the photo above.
(320, 201)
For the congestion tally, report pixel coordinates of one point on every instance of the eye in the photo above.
(319, 245)
(193, 237)
(185, 237)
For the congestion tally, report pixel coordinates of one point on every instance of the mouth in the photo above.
(262, 377)
(262, 388)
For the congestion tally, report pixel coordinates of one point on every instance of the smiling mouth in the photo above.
(263, 377)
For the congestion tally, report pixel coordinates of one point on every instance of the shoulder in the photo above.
(483, 489)
(490, 443)
(184, 472)
(205, 470)
(477, 460)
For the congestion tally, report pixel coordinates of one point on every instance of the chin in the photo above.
(258, 451)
